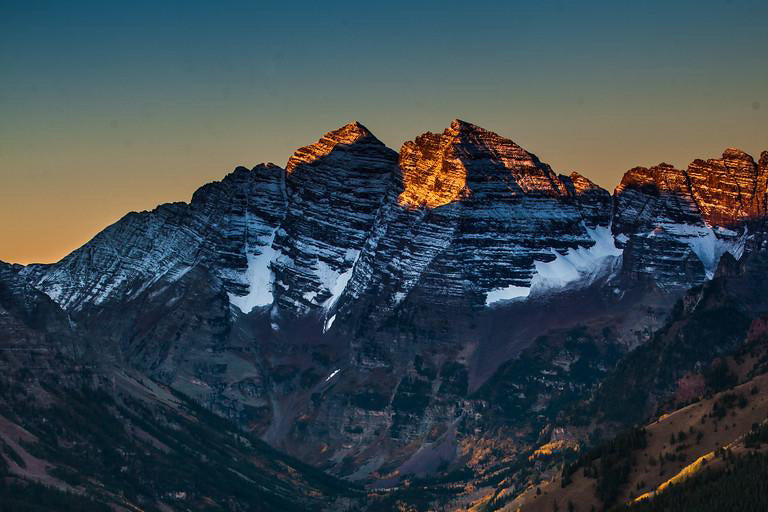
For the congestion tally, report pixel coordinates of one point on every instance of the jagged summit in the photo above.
(730, 189)
(676, 224)
(661, 177)
(351, 133)
(459, 125)
(334, 187)
(737, 154)
(240, 177)
(292, 237)
(439, 169)
(581, 182)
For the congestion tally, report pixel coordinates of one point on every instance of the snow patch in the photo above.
(338, 287)
(329, 323)
(706, 245)
(333, 374)
(581, 264)
(334, 281)
(508, 293)
(259, 277)
(54, 292)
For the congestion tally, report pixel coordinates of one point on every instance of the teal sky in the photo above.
(108, 106)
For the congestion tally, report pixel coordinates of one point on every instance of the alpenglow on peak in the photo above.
(439, 169)
(351, 133)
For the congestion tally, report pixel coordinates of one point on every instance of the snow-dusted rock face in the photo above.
(227, 227)
(651, 207)
(676, 224)
(461, 216)
(475, 214)
(335, 187)
(243, 211)
(125, 258)
(517, 213)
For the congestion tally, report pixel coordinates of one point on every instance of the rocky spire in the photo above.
(678, 223)
(442, 168)
(351, 133)
(725, 188)
(334, 187)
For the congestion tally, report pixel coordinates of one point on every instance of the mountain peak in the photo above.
(463, 126)
(737, 154)
(582, 183)
(351, 133)
(439, 169)
(654, 180)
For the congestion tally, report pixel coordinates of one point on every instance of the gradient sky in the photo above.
(107, 107)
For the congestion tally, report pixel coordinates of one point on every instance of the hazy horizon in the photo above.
(108, 109)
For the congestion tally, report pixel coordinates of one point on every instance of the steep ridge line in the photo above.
(291, 238)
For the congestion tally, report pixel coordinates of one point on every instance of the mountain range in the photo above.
(424, 319)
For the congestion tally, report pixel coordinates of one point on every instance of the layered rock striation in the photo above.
(335, 188)
(676, 224)
(464, 216)
(228, 227)
(474, 216)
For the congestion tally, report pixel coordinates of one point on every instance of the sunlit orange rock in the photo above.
(438, 168)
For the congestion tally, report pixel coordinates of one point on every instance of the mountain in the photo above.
(436, 313)
(711, 350)
(347, 215)
(474, 211)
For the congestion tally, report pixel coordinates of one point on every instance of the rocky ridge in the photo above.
(468, 211)
(334, 188)
(676, 224)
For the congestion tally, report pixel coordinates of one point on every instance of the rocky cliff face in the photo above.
(347, 307)
(507, 210)
(594, 203)
(465, 213)
(243, 212)
(655, 216)
(228, 226)
(124, 258)
(676, 224)
(335, 188)
(476, 218)
(729, 189)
